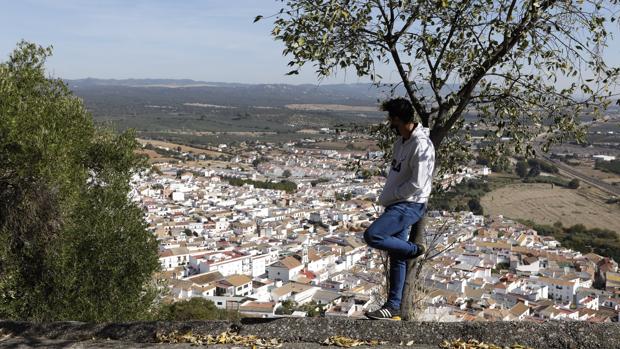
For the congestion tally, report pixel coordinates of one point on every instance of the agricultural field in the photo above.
(547, 204)
(154, 157)
(183, 147)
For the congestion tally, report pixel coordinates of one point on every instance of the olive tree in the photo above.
(528, 70)
(73, 246)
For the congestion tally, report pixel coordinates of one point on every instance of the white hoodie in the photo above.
(411, 173)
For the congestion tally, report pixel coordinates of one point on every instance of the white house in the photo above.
(559, 289)
(259, 264)
(227, 263)
(234, 286)
(259, 309)
(299, 293)
(528, 267)
(178, 196)
(319, 261)
(284, 269)
(173, 257)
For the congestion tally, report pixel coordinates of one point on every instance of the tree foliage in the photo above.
(577, 237)
(464, 196)
(608, 166)
(194, 309)
(526, 68)
(73, 245)
(521, 168)
(534, 171)
(287, 186)
(543, 165)
(574, 183)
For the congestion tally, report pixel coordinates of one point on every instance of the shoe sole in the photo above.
(393, 318)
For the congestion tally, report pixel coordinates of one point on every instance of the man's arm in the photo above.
(385, 197)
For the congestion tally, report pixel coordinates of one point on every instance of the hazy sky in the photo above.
(211, 40)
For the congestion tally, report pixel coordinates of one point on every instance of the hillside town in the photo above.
(270, 253)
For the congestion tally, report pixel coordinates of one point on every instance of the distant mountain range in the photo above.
(365, 94)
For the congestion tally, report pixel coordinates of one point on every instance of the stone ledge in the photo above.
(553, 334)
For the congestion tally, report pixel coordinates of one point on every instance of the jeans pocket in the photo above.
(400, 207)
(416, 209)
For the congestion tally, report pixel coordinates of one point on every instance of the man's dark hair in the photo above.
(398, 107)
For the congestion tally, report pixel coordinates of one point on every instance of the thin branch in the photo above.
(509, 13)
(449, 38)
(463, 95)
(392, 18)
(417, 105)
(386, 20)
(431, 67)
(414, 15)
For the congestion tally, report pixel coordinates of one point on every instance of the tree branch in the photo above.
(510, 40)
(417, 105)
(408, 23)
(386, 20)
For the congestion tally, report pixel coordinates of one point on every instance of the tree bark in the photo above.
(408, 307)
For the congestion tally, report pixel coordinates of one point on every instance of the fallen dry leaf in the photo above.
(347, 342)
(228, 337)
(474, 344)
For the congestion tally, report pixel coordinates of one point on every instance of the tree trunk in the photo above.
(408, 307)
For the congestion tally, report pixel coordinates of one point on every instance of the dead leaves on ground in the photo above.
(474, 344)
(228, 337)
(347, 342)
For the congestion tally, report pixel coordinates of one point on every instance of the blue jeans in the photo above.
(390, 232)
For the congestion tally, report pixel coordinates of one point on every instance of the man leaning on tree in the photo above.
(404, 196)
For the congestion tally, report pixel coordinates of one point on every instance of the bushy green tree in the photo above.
(287, 307)
(534, 171)
(475, 206)
(521, 168)
(72, 244)
(608, 166)
(574, 183)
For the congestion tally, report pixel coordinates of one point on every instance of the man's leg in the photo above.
(386, 233)
(398, 272)
(379, 235)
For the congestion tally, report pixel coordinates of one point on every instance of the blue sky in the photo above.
(210, 40)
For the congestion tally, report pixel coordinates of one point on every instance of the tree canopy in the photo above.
(524, 68)
(73, 246)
